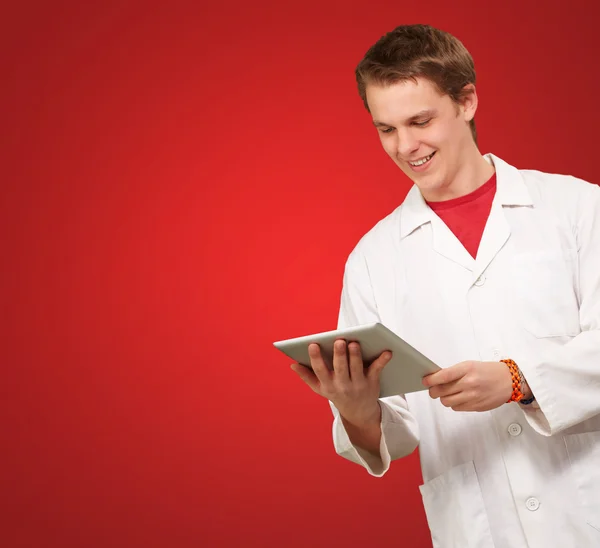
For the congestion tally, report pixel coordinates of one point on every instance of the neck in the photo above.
(473, 172)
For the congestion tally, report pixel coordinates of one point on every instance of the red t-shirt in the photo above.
(466, 216)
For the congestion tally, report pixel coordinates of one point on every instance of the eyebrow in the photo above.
(427, 113)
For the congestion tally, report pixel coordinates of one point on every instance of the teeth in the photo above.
(421, 162)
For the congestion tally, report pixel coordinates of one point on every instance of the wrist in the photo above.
(527, 393)
(528, 396)
(516, 379)
(366, 418)
(520, 389)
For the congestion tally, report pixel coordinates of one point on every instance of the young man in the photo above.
(481, 263)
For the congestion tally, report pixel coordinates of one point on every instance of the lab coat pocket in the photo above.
(545, 299)
(455, 511)
(584, 455)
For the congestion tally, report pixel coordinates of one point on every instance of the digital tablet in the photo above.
(403, 373)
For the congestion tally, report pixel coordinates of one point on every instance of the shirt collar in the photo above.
(510, 191)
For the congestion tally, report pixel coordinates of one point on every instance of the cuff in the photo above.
(375, 465)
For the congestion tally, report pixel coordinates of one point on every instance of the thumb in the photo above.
(377, 366)
(307, 375)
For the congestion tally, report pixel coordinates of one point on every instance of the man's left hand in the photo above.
(471, 386)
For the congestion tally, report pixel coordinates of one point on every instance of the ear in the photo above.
(469, 102)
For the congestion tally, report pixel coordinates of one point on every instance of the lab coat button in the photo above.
(496, 353)
(480, 281)
(532, 504)
(514, 430)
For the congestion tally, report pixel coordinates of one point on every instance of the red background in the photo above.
(180, 186)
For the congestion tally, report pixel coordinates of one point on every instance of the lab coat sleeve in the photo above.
(566, 383)
(398, 426)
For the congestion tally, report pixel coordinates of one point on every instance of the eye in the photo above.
(423, 123)
(387, 130)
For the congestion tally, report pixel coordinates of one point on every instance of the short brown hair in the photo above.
(411, 51)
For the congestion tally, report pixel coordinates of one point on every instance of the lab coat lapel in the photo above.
(495, 235)
(447, 244)
(416, 213)
(510, 191)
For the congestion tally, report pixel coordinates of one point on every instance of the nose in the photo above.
(408, 144)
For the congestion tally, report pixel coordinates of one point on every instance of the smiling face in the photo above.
(428, 136)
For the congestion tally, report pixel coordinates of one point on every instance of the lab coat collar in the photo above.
(510, 187)
(510, 191)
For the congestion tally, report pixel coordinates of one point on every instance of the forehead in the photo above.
(403, 100)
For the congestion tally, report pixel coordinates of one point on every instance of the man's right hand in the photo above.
(351, 387)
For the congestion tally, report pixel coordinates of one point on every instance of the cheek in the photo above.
(436, 137)
(450, 134)
(389, 145)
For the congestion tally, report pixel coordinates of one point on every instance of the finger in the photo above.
(449, 389)
(446, 376)
(340, 360)
(455, 400)
(307, 376)
(377, 366)
(318, 365)
(357, 367)
(467, 406)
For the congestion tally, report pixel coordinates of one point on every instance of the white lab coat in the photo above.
(517, 476)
